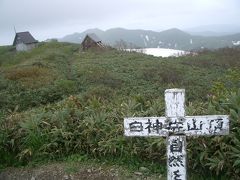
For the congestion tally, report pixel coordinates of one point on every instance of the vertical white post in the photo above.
(176, 157)
(176, 145)
(175, 102)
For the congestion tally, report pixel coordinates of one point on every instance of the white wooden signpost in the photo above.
(176, 126)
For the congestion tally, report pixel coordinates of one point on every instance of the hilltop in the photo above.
(57, 102)
(54, 70)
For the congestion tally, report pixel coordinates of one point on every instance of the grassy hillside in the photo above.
(56, 101)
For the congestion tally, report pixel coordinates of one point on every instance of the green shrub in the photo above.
(66, 86)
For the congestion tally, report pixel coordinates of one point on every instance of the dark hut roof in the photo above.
(24, 37)
(94, 37)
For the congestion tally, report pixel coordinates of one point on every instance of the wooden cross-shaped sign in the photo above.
(176, 126)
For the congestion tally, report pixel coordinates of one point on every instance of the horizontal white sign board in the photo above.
(189, 125)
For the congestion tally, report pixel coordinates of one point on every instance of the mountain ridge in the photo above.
(173, 38)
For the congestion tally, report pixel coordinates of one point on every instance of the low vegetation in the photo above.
(56, 102)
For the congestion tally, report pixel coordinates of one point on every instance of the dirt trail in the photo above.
(65, 171)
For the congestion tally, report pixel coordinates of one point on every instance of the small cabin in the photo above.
(91, 41)
(24, 41)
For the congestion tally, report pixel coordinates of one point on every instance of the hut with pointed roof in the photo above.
(91, 41)
(24, 41)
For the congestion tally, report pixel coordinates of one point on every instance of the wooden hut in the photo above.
(24, 41)
(91, 41)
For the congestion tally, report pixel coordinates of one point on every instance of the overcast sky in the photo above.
(56, 18)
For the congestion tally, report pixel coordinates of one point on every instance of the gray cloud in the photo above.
(55, 18)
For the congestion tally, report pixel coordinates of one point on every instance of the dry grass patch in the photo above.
(31, 76)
